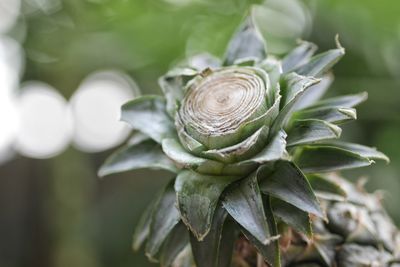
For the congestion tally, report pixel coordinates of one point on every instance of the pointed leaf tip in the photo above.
(311, 130)
(198, 195)
(289, 184)
(271, 250)
(321, 63)
(293, 216)
(338, 44)
(363, 151)
(244, 203)
(247, 43)
(350, 112)
(336, 115)
(145, 154)
(327, 188)
(326, 158)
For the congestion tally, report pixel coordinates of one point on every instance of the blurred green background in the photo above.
(56, 212)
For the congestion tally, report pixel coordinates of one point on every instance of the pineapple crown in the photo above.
(248, 138)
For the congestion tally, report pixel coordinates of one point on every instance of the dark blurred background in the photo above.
(67, 65)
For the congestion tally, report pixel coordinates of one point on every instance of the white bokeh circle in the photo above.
(45, 125)
(96, 107)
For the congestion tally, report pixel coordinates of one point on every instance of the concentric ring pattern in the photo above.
(221, 102)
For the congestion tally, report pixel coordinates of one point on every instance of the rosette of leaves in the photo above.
(247, 137)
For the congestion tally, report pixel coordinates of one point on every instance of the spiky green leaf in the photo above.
(172, 86)
(177, 240)
(293, 216)
(164, 218)
(148, 115)
(275, 150)
(298, 56)
(247, 43)
(363, 151)
(321, 63)
(347, 101)
(274, 69)
(142, 229)
(229, 235)
(206, 252)
(198, 196)
(145, 154)
(319, 158)
(326, 188)
(289, 184)
(329, 114)
(315, 92)
(310, 131)
(271, 251)
(244, 203)
(294, 87)
(174, 150)
(273, 256)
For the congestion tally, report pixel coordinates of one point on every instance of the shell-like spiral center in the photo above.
(221, 102)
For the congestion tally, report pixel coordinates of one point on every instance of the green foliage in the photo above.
(237, 153)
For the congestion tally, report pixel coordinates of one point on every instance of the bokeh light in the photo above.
(10, 68)
(8, 118)
(96, 110)
(45, 124)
